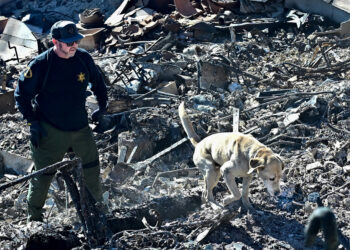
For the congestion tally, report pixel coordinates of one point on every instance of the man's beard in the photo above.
(66, 53)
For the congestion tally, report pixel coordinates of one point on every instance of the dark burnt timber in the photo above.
(61, 239)
(51, 168)
(167, 208)
(92, 218)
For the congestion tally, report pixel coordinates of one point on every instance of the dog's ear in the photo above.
(255, 164)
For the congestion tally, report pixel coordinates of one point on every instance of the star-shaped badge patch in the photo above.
(81, 77)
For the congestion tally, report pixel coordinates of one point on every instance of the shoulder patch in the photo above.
(28, 73)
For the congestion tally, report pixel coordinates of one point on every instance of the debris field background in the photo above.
(290, 85)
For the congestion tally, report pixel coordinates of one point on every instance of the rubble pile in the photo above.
(285, 70)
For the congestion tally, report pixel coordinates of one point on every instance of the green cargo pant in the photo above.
(51, 149)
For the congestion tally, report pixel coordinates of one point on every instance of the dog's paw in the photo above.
(252, 210)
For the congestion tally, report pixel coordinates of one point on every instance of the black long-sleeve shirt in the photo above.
(61, 101)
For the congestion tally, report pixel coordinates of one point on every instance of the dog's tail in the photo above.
(187, 125)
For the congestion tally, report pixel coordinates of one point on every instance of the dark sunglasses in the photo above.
(72, 43)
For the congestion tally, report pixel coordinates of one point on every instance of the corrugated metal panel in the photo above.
(17, 33)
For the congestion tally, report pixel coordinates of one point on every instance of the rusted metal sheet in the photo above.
(131, 31)
(91, 18)
(185, 8)
(3, 22)
(92, 38)
(213, 7)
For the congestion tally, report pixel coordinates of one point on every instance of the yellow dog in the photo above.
(232, 155)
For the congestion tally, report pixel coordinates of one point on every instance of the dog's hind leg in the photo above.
(229, 178)
(211, 178)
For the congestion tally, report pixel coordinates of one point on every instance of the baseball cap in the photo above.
(65, 31)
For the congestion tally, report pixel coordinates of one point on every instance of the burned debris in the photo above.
(278, 70)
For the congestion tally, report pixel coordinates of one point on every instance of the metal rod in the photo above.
(14, 47)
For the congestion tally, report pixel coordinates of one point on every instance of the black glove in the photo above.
(98, 114)
(104, 123)
(108, 122)
(36, 133)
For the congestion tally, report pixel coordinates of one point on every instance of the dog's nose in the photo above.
(277, 193)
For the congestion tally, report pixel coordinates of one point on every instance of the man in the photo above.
(51, 95)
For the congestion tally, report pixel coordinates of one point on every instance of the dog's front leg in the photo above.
(227, 171)
(245, 193)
